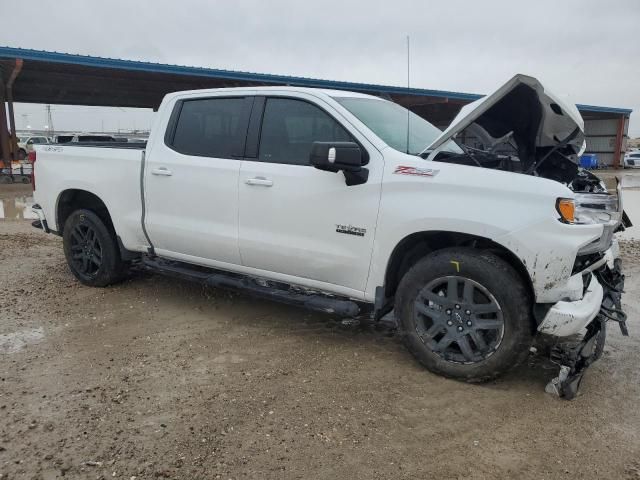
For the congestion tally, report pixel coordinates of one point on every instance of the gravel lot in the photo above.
(158, 378)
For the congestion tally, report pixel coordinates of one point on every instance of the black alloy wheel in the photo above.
(459, 319)
(86, 250)
(91, 249)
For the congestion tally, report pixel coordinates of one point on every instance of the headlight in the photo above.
(590, 209)
(597, 208)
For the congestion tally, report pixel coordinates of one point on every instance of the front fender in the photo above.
(513, 210)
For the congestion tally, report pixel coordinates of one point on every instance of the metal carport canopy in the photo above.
(62, 78)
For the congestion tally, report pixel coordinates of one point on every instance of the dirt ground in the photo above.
(159, 378)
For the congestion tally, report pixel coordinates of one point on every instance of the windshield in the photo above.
(389, 121)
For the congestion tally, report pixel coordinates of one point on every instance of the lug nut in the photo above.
(469, 323)
(459, 329)
(449, 323)
(468, 312)
(448, 311)
(457, 307)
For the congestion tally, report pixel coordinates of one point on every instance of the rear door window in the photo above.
(290, 126)
(211, 127)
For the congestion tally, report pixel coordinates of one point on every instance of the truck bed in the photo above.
(110, 170)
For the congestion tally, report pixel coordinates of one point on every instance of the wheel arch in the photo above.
(416, 245)
(74, 199)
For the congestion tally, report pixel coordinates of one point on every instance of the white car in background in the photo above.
(632, 159)
(25, 144)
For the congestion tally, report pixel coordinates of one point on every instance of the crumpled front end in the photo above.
(599, 266)
(604, 296)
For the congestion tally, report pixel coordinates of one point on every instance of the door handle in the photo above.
(161, 171)
(259, 181)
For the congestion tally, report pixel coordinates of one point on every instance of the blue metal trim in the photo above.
(595, 108)
(115, 63)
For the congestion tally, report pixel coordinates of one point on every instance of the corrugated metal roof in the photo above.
(140, 66)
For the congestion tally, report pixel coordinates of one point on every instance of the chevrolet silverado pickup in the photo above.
(476, 239)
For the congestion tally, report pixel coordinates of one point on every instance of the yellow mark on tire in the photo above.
(457, 264)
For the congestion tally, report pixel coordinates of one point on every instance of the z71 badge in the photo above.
(420, 172)
(351, 230)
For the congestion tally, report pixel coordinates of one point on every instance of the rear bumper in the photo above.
(42, 221)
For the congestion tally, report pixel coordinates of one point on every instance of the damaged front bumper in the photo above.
(567, 318)
(606, 288)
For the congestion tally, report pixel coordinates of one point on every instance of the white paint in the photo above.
(552, 125)
(331, 157)
(566, 318)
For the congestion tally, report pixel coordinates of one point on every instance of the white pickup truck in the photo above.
(477, 237)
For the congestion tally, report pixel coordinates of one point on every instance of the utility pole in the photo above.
(49, 121)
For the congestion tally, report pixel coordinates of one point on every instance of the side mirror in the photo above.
(337, 156)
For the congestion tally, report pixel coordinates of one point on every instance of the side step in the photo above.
(276, 291)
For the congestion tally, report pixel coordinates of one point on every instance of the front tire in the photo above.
(91, 250)
(465, 314)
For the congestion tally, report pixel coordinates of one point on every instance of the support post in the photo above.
(5, 151)
(619, 137)
(12, 119)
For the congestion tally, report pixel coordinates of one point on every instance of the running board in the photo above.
(260, 288)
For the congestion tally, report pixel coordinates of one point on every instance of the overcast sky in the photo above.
(586, 48)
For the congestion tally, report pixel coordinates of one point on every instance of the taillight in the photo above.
(32, 160)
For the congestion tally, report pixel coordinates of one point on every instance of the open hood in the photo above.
(524, 109)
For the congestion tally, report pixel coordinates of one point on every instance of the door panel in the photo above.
(295, 219)
(191, 181)
(292, 226)
(193, 211)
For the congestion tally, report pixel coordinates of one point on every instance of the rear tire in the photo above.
(465, 314)
(22, 154)
(91, 250)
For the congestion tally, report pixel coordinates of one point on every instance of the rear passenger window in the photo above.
(210, 127)
(289, 127)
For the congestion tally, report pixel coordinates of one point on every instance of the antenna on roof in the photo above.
(408, 88)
